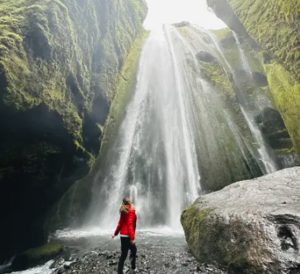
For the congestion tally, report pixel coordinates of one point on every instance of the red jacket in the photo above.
(127, 223)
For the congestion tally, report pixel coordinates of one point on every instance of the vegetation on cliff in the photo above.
(285, 93)
(60, 65)
(70, 209)
(274, 25)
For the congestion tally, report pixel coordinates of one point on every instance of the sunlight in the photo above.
(174, 11)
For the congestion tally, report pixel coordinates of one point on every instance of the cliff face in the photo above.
(234, 71)
(274, 26)
(60, 65)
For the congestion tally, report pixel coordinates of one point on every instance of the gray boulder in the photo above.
(249, 227)
(205, 57)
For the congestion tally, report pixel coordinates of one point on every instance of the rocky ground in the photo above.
(89, 252)
(97, 261)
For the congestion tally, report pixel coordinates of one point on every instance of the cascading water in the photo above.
(176, 135)
(154, 157)
(269, 164)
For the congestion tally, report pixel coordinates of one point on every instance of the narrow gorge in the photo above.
(200, 127)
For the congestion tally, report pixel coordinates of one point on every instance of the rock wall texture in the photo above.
(233, 70)
(60, 65)
(250, 226)
(273, 26)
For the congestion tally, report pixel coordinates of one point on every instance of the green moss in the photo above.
(77, 199)
(60, 64)
(285, 94)
(275, 26)
(184, 31)
(90, 159)
(124, 91)
(192, 220)
(218, 77)
(285, 151)
(49, 249)
(211, 239)
(222, 33)
(36, 256)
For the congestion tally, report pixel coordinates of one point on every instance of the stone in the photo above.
(277, 136)
(227, 42)
(251, 226)
(260, 79)
(37, 256)
(181, 24)
(205, 57)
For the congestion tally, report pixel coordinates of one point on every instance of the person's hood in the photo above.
(130, 208)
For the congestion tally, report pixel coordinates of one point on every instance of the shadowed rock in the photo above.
(205, 57)
(260, 79)
(227, 42)
(181, 24)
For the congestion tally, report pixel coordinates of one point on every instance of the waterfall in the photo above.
(178, 137)
(154, 158)
(268, 163)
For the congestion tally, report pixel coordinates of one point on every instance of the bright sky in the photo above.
(175, 11)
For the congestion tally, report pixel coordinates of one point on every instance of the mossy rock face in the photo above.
(248, 227)
(36, 256)
(181, 24)
(227, 42)
(60, 66)
(272, 126)
(70, 209)
(285, 94)
(275, 26)
(223, 10)
(205, 57)
(224, 156)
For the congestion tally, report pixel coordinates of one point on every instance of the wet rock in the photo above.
(154, 263)
(181, 24)
(248, 227)
(273, 128)
(260, 79)
(247, 80)
(205, 57)
(277, 136)
(36, 256)
(227, 42)
(224, 11)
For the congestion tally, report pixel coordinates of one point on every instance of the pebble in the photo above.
(148, 263)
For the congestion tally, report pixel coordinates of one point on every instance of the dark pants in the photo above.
(125, 246)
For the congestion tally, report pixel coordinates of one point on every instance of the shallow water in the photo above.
(160, 239)
(38, 270)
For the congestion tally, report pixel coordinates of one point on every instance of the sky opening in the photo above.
(175, 11)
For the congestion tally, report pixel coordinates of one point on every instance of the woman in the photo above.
(126, 227)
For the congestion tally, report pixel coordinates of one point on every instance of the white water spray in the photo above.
(155, 159)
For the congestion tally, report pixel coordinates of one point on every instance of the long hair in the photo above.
(125, 203)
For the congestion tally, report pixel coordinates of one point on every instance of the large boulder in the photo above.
(248, 227)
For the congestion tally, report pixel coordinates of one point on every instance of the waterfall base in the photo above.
(158, 252)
